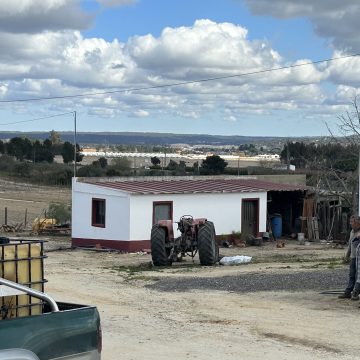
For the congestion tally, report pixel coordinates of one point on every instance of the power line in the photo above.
(37, 119)
(179, 83)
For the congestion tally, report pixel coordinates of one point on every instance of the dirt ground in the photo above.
(143, 323)
(139, 322)
(21, 198)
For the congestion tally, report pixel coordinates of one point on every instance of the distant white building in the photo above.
(284, 167)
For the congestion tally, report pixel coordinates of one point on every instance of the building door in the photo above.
(249, 218)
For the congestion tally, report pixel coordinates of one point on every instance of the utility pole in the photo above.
(359, 184)
(74, 144)
(238, 167)
(288, 155)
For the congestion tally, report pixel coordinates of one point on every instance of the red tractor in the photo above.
(197, 235)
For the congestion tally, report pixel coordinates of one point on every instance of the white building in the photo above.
(120, 214)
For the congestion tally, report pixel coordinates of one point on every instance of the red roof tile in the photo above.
(198, 186)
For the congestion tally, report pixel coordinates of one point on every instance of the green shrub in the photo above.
(59, 211)
(6, 163)
(113, 172)
(22, 169)
(90, 171)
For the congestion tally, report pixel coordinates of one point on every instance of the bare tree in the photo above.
(349, 128)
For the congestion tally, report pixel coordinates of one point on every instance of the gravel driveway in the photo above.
(324, 279)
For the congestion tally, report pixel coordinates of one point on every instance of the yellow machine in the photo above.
(22, 262)
(42, 223)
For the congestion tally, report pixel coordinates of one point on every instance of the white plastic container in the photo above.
(301, 237)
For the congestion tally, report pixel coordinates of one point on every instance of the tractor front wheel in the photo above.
(159, 253)
(207, 247)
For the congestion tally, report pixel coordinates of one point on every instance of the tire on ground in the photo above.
(208, 250)
(159, 252)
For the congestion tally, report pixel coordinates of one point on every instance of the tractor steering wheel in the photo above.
(187, 218)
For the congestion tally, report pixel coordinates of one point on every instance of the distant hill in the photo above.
(138, 138)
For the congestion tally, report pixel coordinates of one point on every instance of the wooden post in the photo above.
(6, 216)
(25, 220)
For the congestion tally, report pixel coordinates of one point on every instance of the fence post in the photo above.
(6, 216)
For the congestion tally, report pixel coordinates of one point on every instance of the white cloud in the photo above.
(345, 94)
(66, 63)
(345, 71)
(3, 89)
(33, 16)
(141, 113)
(66, 56)
(207, 48)
(336, 20)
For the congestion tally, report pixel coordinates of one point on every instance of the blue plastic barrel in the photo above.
(276, 225)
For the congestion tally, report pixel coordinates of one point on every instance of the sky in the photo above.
(140, 65)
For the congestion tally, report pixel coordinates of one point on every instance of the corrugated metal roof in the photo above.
(198, 186)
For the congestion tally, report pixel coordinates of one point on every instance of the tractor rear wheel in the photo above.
(208, 250)
(159, 253)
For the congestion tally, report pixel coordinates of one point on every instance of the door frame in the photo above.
(257, 213)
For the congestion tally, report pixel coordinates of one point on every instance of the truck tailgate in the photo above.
(75, 329)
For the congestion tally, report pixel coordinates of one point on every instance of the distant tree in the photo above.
(340, 157)
(121, 164)
(155, 160)
(90, 171)
(298, 153)
(20, 148)
(55, 137)
(196, 167)
(213, 165)
(42, 152)
(103, 162)
(59, 176)
(48, 144)
(79, 156)
(36, 150)
(173, 165)
(113, 172)
(181, 168)
(177, 168)
(67, 152)
(248, 148)
(2, 147)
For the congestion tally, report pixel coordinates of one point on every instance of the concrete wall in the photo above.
(117, 213)
(222, 209)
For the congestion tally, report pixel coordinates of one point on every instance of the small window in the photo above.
(162, 211)
(98, 212)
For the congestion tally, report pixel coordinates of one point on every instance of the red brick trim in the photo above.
(129, 246)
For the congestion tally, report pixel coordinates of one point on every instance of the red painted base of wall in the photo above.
(129, 246)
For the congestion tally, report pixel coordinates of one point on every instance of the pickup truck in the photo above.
(62, 331)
